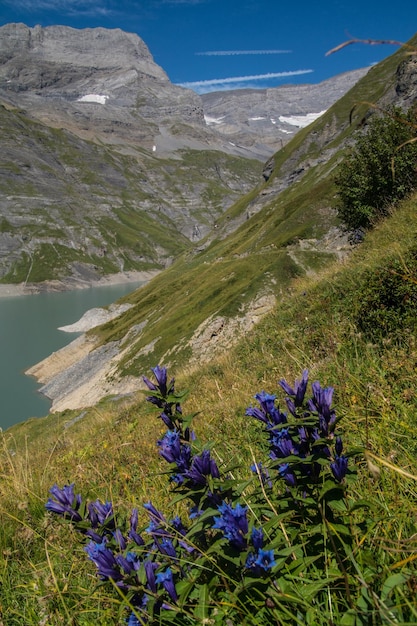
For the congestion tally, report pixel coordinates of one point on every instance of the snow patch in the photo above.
(211, 121)
(300, 120)
(255, 119)
(93, 97)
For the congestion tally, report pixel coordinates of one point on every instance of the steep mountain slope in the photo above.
(210, 296)
(266, 119)
(106, 166)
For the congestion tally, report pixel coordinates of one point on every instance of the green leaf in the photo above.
(395, 580)
(201, 612)
(349, 618)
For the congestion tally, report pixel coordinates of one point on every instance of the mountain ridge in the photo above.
(284, 229)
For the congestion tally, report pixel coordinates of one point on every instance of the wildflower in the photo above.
(339, 467)
(234, 524)
(167, 420)
(269, 414)
(265, 559)
(104, 559)
(201, 467)
(257, 538)
(320, 447)
(120, 540)
(129, 563)
(261, 560)
(287, 474)
(166, 579)
(300, 388)
(181, 530)
(281, 444)
(195, 512)
(150, 568)
(139, 602)
(338, 446)
(321, 404)
(167, 547)
(133, 523)
(66, 503)
(173, 451)
(157, 525)
(100, 513)
(162, 387)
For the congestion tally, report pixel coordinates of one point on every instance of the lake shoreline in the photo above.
(70, 284)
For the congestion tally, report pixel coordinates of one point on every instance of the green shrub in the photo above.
(380, 169)
(386, 304)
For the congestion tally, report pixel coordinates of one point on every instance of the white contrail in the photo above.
(225, 53)
(242, 79)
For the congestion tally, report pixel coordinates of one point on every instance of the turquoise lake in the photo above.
(29, 333)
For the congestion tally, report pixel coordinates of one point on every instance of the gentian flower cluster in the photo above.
(149, 563)
(298, 438)
(259, 560)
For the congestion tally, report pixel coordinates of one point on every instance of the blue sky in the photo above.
(228, 44)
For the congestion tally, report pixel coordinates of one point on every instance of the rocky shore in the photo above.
(68, 284)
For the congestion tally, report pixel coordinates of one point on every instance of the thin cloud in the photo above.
(79, 7)
(219, 84)
(226, 53)
(182, 1)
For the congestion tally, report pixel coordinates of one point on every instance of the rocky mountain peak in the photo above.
(96, 48)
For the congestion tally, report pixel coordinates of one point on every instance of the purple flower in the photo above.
(132, 534)
(339, 467)
(300, 388)
(166, 579)
(338, 446)
(139, 603)
(201, 467)
(257, 538)
(167, 420)
(181, 530)
(173, 451)
(287, 474)
(160, 374)
(321, 404)
(234, 524)
(262, 560)
(104, 559)
(99, 513)
(281, 444)
(265, 559)
(167, 547)
(133, 620)
(157, 525)
(66, 503)
(120, 540)
(150, 568)
(269, 414)
(129, 563)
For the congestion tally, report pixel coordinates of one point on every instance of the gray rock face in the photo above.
(95, 82)
(266, 119)
(107, 166)
(104, 85)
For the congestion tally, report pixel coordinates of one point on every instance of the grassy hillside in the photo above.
(327, 324)
(351, 323)
(257, 248)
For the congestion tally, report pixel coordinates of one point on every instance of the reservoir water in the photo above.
(29, 333)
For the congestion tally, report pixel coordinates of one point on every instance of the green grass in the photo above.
(111, 452)
(338, 323)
